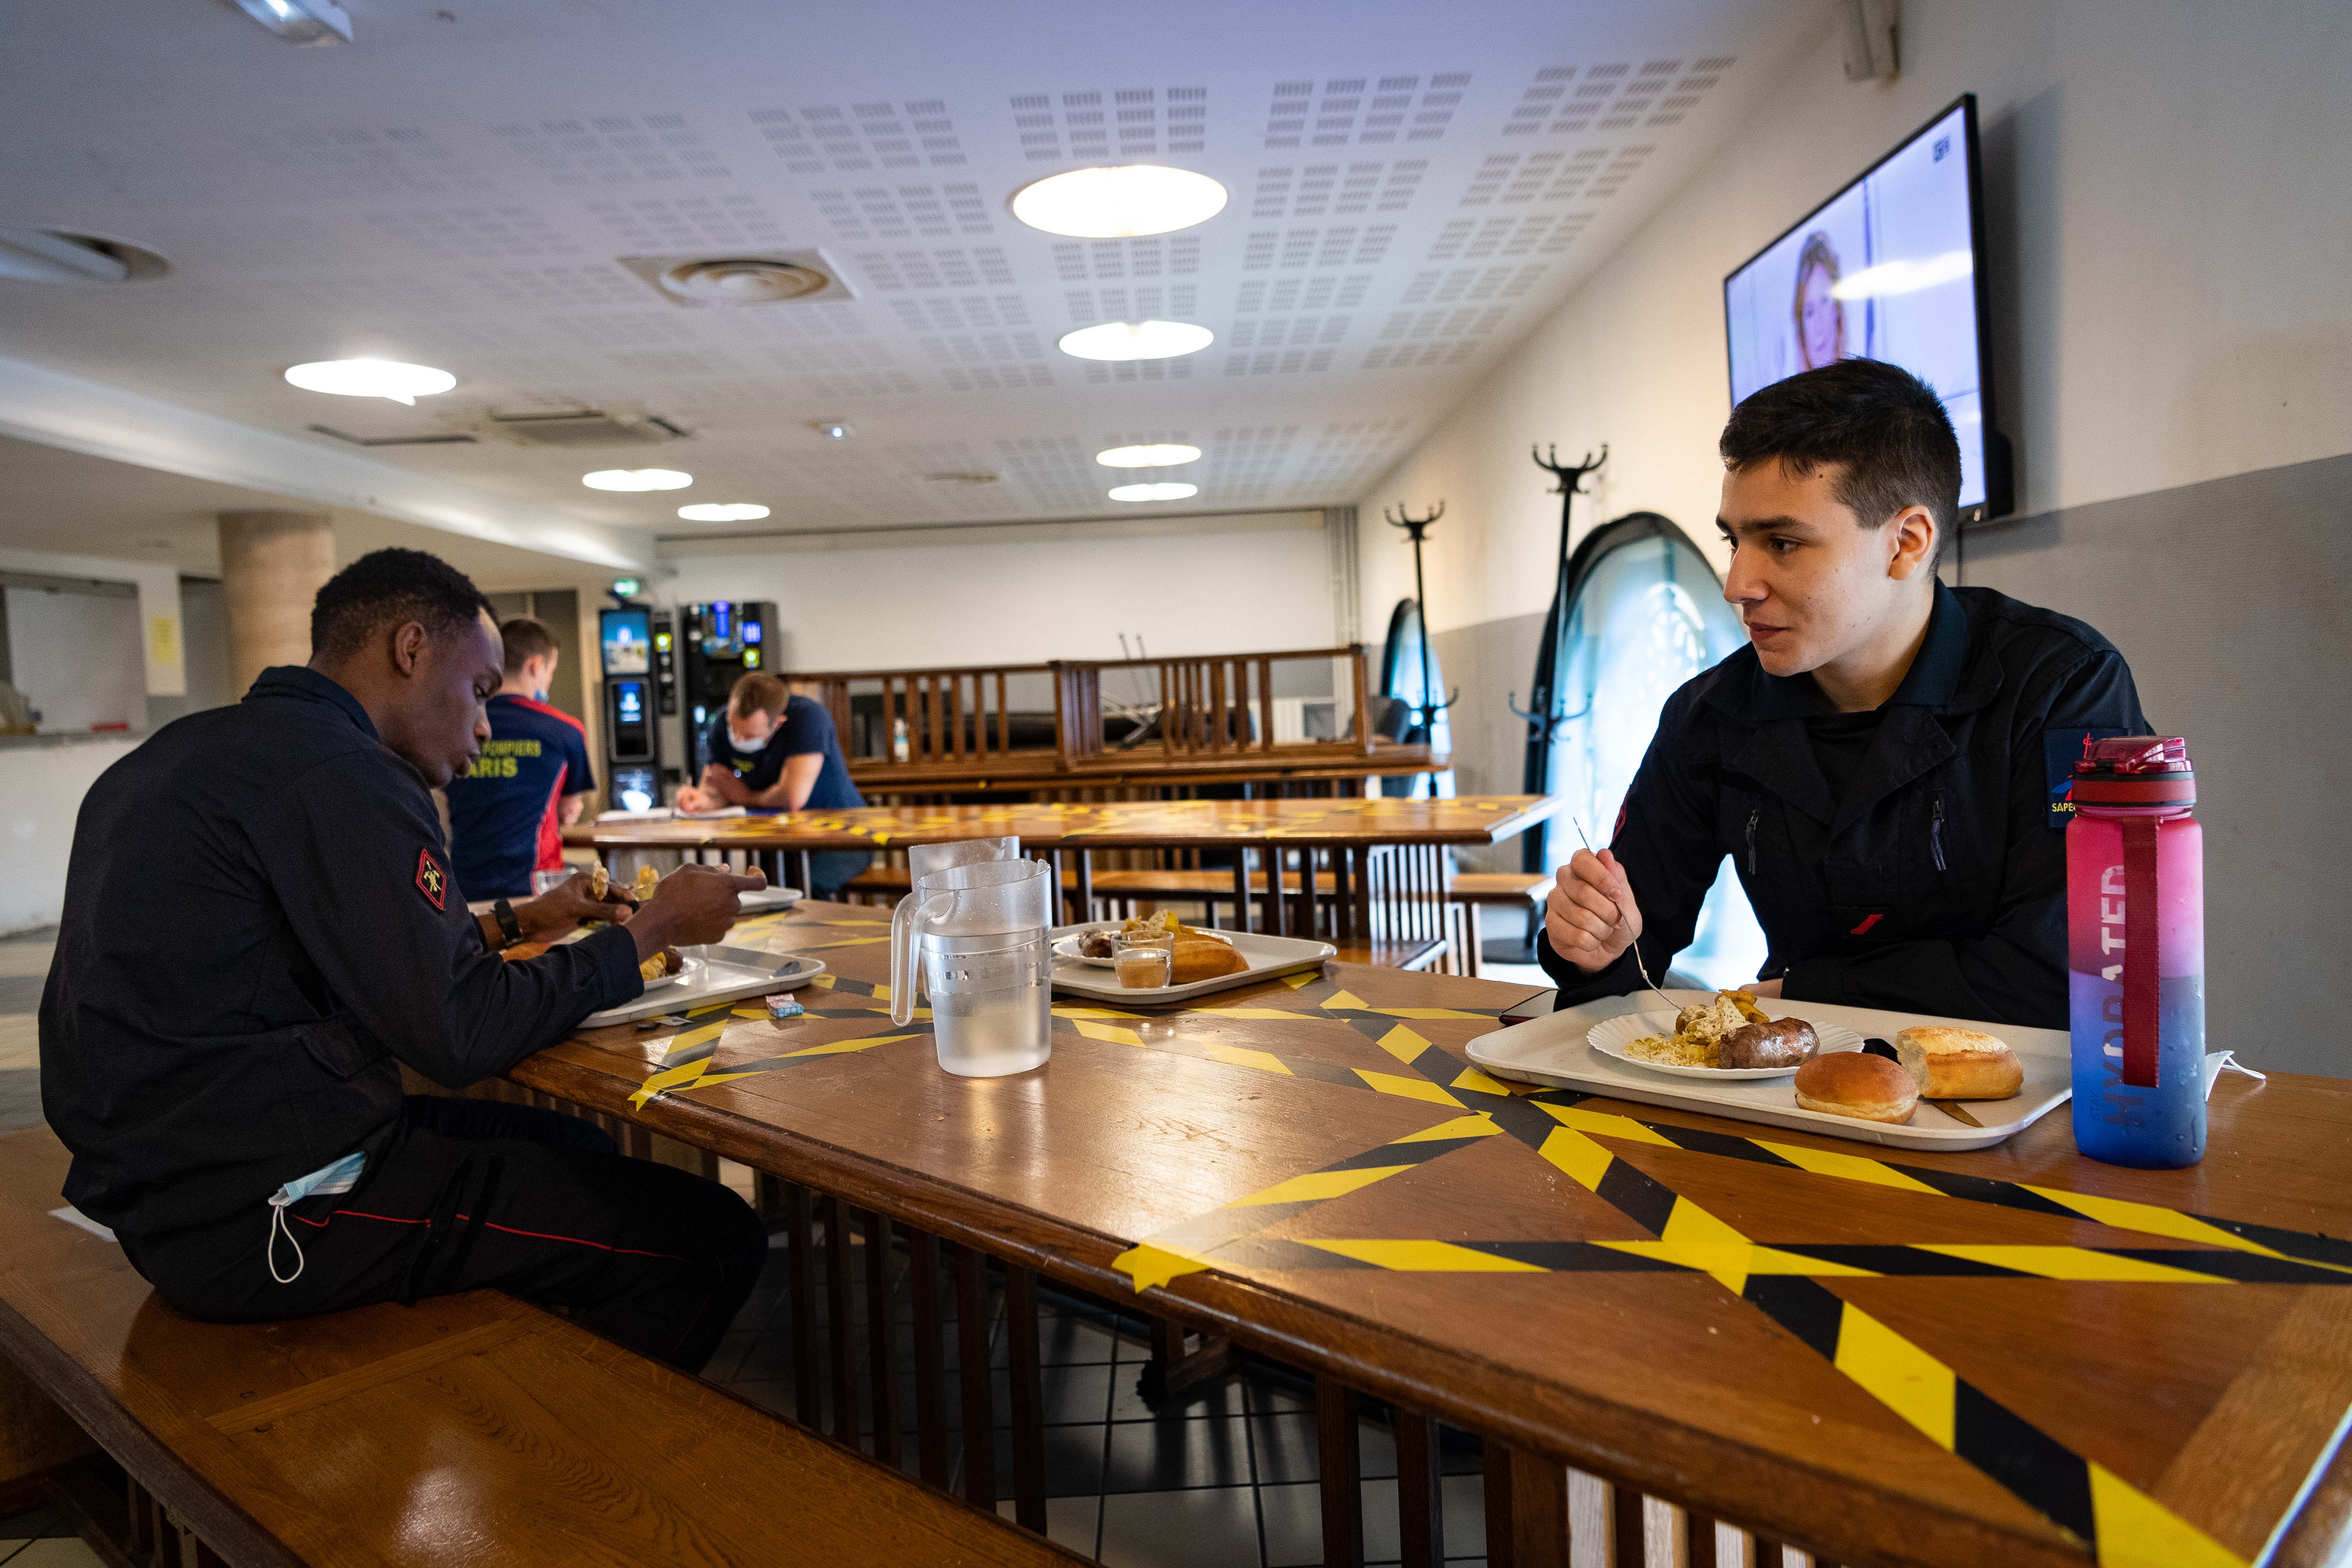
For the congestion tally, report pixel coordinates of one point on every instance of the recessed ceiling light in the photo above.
(1136, 340)
(371, 378)
(302, 21)
(831, 429)
(1154, 492)
(1118, 202)
(636, 479)
(723, 511)
(1164, 455)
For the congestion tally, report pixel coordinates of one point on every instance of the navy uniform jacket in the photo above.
(259, 925)
(1939, 884)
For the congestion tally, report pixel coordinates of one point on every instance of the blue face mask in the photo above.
(339, 1177)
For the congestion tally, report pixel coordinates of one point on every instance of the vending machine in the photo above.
(632, 739)
(718, 644)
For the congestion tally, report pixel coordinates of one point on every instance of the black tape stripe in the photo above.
(1907, 1260)
(2023, 1458)
(1647, 1203)
(1724, 1144)
(1802, 1306)
(2293, 1243)
(2246, 1267)
(1573, 1256)
(1419, 1153)
(1984, 1190)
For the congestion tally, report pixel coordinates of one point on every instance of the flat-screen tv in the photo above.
(1891, 268)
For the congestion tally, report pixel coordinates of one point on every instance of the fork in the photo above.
(1636, 943)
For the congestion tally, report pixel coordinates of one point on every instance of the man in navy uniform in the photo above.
(506, 812)
(260, 928)
(1887, 762)
(774, 750)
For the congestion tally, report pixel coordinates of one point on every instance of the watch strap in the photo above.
(509, 924)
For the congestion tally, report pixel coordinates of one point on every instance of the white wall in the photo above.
(75, 657)
(999, 603)
(2169, 185)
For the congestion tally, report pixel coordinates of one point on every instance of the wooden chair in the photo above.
(466, 1429)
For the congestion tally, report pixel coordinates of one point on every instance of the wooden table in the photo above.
(1384, 859)
(1985, 1358)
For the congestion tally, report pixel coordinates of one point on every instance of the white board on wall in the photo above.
(76, 655)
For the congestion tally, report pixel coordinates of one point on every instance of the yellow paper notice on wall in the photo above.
(164, 639)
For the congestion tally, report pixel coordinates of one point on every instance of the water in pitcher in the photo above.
(992, 1012)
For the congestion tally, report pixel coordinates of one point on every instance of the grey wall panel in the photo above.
(2229, 599)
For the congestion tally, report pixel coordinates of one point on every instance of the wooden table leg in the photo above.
(1625, 1524)
(1307, 902)
(1277, 914)
(882, 1338)
(1241, 889)
(1056, 858)
(1527, 1510)
(1698, 1537)
(1342, 1488)
(1086, 889)
(841, 1326)
(930, 1365)
(807, 873)
(1420, 1507)
(1028, 1399)
(808, 1403)
(979, 1424)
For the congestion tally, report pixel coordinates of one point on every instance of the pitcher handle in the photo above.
(907, 923)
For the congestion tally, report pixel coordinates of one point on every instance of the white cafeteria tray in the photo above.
(1552, 1050)
(728, 973)
(1267, 956)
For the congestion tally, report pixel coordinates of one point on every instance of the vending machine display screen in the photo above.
(632, 724)
(629, 641)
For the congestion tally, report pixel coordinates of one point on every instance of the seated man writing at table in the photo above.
(774, 750)
(1885, 763)
(260, 928)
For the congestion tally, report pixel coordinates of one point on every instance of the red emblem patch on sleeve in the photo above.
(431, 880)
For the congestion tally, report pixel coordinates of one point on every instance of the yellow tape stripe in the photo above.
(1899, 1374)
(1852, 1167)
(1318, 1186)
(2073, 1263)
(2125, 1215)
(1420, 1256)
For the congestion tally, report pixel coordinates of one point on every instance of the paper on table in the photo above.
(74, 1216)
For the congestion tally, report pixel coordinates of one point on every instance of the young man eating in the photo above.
(260, 929)
(1885, 762)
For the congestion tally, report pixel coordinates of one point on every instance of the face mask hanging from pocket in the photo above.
(339, 1177)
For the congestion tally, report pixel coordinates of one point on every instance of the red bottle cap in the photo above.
(2135, 771)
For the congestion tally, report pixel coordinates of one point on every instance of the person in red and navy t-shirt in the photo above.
(507, 815)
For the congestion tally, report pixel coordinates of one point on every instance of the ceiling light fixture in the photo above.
(1162, 455)
(1154, 492)
(1136, 339)
(636, 479)
(831, 429)
(302, 21)
(371, 378)
(1118, 202)
(723, 511)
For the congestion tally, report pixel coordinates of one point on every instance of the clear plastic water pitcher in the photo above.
(973, 937)
(925, 859)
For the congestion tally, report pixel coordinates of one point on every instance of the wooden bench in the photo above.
(1474, 890)
(467, 1429)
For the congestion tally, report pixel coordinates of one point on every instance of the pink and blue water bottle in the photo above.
(2135, 953)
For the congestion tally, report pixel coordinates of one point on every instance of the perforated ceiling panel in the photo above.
(1410, 192)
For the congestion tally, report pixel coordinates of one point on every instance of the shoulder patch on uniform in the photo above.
(431, 880)
(2061, 750)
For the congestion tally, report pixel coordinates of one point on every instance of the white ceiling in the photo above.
(75, 504)
(1412, 187)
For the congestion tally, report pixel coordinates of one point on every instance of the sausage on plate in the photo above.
(1783, 1043)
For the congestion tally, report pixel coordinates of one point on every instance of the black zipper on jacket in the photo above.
(1935, 832)
(1754, 815)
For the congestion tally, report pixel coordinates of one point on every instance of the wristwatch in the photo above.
(503, 912)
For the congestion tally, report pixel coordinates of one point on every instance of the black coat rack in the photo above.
(1418, 527)
(1542, 712)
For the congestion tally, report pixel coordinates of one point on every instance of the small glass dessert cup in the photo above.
(1145, 962)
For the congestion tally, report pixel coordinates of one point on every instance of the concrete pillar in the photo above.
(273, 564)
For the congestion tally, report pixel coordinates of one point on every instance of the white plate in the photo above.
(1611, 1036)
(721, 973)
(1552, 1050)
(688, 969)
(762, 900)
(1068, 948)
(1264, 957)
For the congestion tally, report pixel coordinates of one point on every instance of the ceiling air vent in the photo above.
(740, 279)
(582, 428)
(55, 255)
(391, 440)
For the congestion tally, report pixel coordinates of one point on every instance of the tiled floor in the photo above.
(24, 968)
(1228, 1479)
(42, 1539)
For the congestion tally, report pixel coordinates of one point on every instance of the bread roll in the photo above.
(1205, 958)
(1946, 1063)
(1783, 1043)
(1856, 1084)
